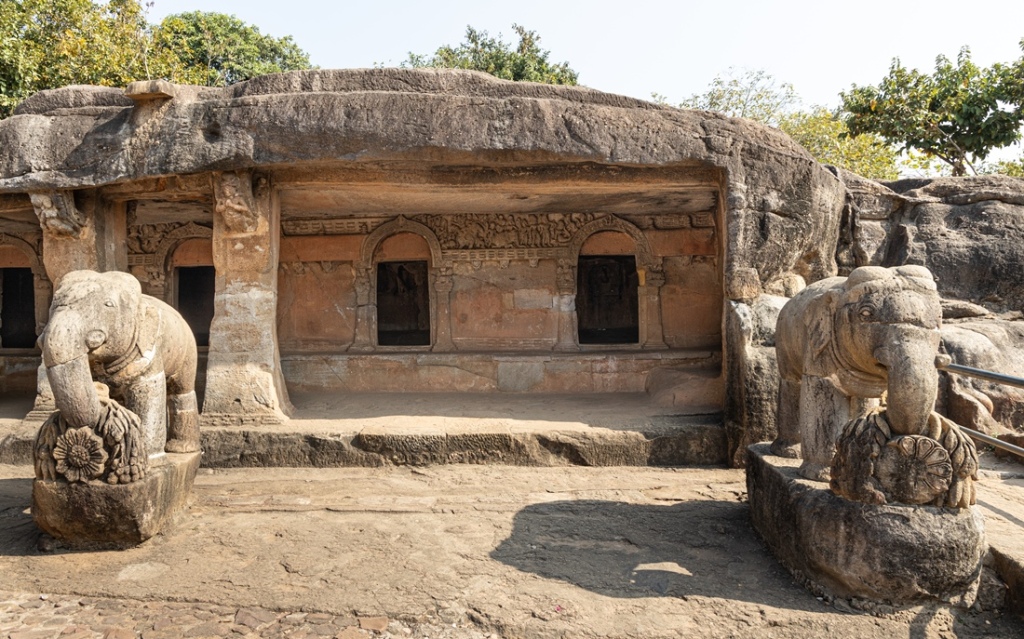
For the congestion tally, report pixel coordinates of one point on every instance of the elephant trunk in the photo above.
(913, 380)
(74, 393)
(65, 355)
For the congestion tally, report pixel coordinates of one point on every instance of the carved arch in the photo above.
(35, 263)
(160, 272)
(401, 224)
(366, 290)
(165, 249)
(41, 281)
(644, 254)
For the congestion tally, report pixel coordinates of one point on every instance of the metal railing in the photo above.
(990, 376)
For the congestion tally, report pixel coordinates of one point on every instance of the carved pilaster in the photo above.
(443, 285)
(366, 312)
(244, 383)
(653, 334)
(565, 306)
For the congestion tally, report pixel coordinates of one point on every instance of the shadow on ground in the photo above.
(702, 548)
(18, 534)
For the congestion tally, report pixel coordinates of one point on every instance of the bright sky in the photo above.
(636, 47)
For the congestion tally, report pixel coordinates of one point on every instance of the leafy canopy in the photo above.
(215, 49)
(481, 52)
(46, 44)
(825, 136)
(752, 94)
(959, 113)
(758, 96)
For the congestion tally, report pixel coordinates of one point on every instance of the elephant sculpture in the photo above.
(841, 344)
(102, 326)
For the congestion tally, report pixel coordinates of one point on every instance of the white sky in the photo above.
(636, 47)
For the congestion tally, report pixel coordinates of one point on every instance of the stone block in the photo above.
(97, 514)
(892, 553)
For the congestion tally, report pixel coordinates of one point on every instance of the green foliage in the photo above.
(748, 94)
(480, 52)
(959, 113)
(758, 96)
(215, 49)
(1013, 168)
(46, 44)
(824, 134)
(52, 43)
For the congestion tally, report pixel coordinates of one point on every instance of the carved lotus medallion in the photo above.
(914, 469)
(79, 455)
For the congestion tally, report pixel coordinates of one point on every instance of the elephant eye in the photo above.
(866, 312)
(109, 303)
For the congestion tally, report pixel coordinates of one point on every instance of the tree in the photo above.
(215, 49)
(46, 44)
(825, 135)
(51, 43)
(758, 96)
(1013, 168)
(748, 94)
(480, 52)
(959, 113)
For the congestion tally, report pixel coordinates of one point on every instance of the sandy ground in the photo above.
(470, 551)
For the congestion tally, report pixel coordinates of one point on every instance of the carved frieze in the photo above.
(505, 230)
(350, 226)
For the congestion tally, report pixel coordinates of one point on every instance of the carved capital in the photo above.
(233, 194)
(566, 277)
(654, 279)
(57, 213)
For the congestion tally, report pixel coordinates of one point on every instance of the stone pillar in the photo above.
(565, 306)
(244, 383)
(80, 231)
(653, 334)
(443, 286)
(366, 312)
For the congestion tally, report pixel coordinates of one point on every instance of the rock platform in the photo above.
(95, 514)
(383, 429)
(889, 553)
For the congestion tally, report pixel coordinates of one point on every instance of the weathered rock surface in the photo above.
(783, 206)
(750, 356)
(896, 554)
(98, 514)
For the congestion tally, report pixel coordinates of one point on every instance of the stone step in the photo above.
(380, 429)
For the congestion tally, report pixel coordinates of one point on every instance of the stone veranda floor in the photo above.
(460, 551)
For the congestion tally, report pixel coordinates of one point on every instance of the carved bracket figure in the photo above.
(102, 327)
(844, 342)
(57, 213)
(235, 202)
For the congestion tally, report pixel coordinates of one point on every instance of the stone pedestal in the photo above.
(96, 514)
(893, 553)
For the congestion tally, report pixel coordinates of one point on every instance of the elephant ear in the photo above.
(821, 325)
(149, 328)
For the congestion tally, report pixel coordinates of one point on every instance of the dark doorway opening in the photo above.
(403, 304)
(17, 309)
(606, 300)
(196, 288)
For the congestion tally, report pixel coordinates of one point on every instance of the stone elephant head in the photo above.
(93, 318)
(879, 331)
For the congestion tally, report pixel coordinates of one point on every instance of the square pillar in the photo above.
(244, 383)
